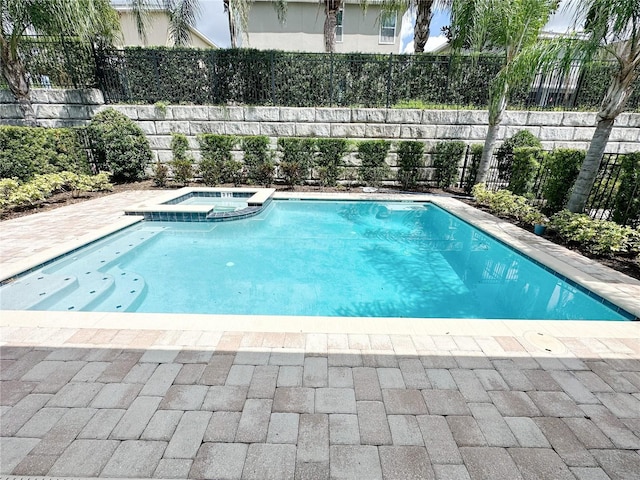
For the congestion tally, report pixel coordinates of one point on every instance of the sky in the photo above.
(213, 24)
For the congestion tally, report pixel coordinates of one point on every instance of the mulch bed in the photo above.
(626, 265)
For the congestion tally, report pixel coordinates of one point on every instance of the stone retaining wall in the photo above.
(57, 108)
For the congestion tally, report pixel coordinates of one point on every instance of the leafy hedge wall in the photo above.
(26, 151)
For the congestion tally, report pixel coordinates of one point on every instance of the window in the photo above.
(339, 25)
(388, 27)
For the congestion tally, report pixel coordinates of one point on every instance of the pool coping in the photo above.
(607, 283)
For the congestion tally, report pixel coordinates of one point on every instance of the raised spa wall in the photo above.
(61, 108)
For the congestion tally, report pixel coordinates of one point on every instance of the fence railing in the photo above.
(317, 79)
(253, 77)
(601, 203)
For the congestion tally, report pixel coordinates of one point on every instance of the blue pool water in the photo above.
(363, 259)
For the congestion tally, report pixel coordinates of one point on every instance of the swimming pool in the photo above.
(363, 259)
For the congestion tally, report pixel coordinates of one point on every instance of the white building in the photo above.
(358, 30)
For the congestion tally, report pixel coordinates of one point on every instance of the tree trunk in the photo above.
(331, 8)
(16, 76)
(590, 166)
(233, 30)
(497, 107)
(423, 22)
(618, 94)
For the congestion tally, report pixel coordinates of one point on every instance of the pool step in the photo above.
(24, 293)
(90, 288)
(129, 290)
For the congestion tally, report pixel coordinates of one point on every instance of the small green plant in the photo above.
(562, 167)
(182, 163)
(446, 157)
(599, 237)
(14, 194)
(503, 203)
(258, 160)
(504, 153)
(410, 162)
(217, 164)
(330, 159)
(526, 163)
(373, 161)
(627, 201)
(120, 145)
(298, 157)
(160, 173)
(161, 109)
(472, 167)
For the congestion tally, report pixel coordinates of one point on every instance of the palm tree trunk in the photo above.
(233, 31)
(331, 8)
(618, 94)
(16, 76)
(590, 166)
(423, 22)
(497, 106)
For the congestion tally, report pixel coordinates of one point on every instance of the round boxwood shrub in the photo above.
(119, 144)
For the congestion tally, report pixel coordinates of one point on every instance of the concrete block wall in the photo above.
(58, 108)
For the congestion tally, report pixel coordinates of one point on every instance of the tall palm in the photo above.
(510, 28)
(84, 19)
(612, 26)
(424, 14)
(331, 9)
(182, 16)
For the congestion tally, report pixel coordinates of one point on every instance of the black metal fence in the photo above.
(254, 77)
(601, 203)
(317, 79)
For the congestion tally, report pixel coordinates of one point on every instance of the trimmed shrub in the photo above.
(217, 164)
(504, 154)
(446, 157)
(182, 163)
(599, 237)
(410, 161)
(258, 160)
(627, 202)
(503, 203)
(472, 167)
(160, 174)
(562, 166)
(120, 144)
(523, 169)
(330, 159)
(27, 151)
(373, 161)
(298, 157)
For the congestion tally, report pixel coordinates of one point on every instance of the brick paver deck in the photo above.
(186, 402)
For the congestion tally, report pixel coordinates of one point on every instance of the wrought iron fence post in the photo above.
(156, 71)
(272, 65)
(330, 79)
(389, 78)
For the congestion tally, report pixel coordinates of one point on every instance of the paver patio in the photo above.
(171, 397)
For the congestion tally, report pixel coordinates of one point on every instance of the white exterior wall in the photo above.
(303, 29)
(157, 32)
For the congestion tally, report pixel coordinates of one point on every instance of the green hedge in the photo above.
(119, 144)
(298, 158)
(373, 167)
(446, 158)
(562, 167)
(627, 200)
(525, 166)
(26, 151)
(330, 159)
(410, 163)
(504, 153)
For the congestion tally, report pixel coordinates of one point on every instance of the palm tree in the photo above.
(182, 16)
(424, 14)
(238, 16)
(83, 19)
(331, 9)
(510, 28)
(612, 26)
